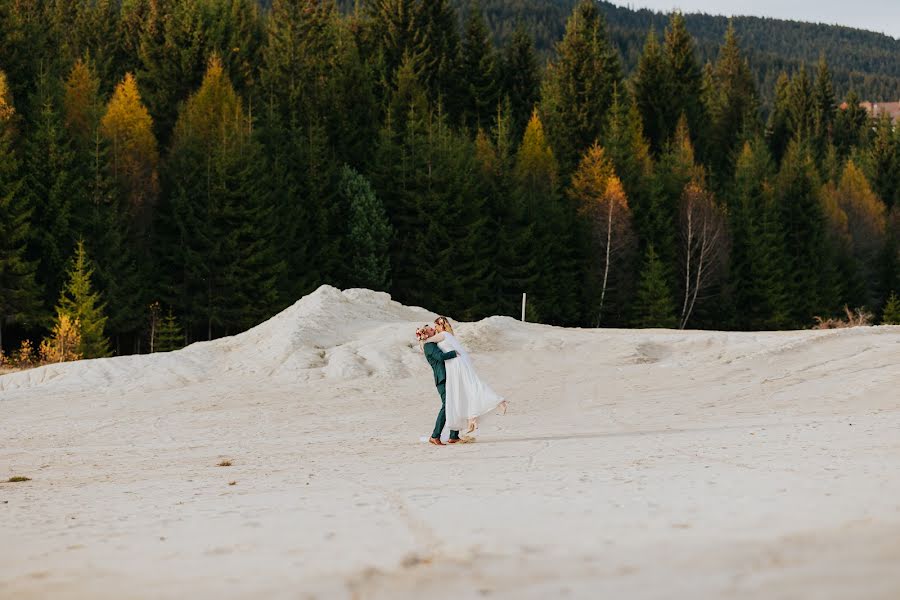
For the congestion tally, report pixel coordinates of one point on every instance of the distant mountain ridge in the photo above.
(866, 61)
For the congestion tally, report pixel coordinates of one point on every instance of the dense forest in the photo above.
(179, 170)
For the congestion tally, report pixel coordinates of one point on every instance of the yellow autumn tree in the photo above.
(81, 103)
(133, 155)
(535, 165)
(857, 220)
(602, 202)
(213, 118)
(62, 345)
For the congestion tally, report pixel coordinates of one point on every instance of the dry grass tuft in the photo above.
(18, 479)
(224, 463)
(232, 483)
(855, 318)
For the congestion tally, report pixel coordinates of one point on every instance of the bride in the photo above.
(467, 396)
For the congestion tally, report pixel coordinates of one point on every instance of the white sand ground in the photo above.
(632, 464)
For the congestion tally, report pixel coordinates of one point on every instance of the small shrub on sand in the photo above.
(18, 479)
(224, 463)
(855, 318)
(24, 358)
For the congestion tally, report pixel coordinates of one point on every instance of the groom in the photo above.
(436, 358)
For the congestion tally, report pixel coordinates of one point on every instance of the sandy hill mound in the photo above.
(359, 333)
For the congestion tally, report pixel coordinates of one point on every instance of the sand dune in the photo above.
(632, 464)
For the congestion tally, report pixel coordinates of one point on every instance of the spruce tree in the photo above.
(653, 304)
(778, 129)
(20, 297)
(731, 104)
(520, 80)
(556, 295)
(578, 85)
(891, 313)
(683, 80)
(809, 264)
(170, 336)
(650, 92)
(81, 303)
(53, 186)
(478, 75)
(825, 108)
(630, 153)
(882, 161)
(850, 125)
(219, 225)
(369, 236)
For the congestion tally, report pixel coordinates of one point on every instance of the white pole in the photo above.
(523, 306)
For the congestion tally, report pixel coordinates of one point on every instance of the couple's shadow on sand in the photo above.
(561, 437)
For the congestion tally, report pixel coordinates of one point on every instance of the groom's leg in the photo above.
(442, 416)
(442, 390)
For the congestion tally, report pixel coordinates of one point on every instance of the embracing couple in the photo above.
(464, 397)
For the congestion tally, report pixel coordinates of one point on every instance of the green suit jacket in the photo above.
(436, 358)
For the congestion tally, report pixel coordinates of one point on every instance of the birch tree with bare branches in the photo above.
(602, 201)
(704, 243)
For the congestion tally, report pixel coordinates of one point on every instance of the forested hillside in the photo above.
(179, 170)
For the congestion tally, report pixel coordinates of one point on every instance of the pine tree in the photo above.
(578, 86)
(424, 31)
(626, 146)
(53, 185)
(478, 73)
(825, 108)
(891, 314)
(555, 296)
(850, 125)
(19, 293)
(778, 129)
(650, 92)
(683, 79)
(369, 235)
(219, 226)
(801, 107)
(882, 161)
(732, 105)
(757, 262)
(809, 265)
(170, 336)
(520, 79)
(81, 303)
(653, 306)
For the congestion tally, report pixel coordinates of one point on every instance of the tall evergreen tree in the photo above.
(218, 221)
(478, 75)
(20, 297)
(732, 106)
(757, 262)
(53, 185)
(578, 86)
(825, 108)
(520, 80)
(683, 79)
(556, 294)
(882, 161)
(369, 236)
(810, 271)
(650, 92)
(653, 305)
(80, 302)
(778, 128)
(850, 125)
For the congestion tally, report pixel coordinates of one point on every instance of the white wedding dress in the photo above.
(467, 395)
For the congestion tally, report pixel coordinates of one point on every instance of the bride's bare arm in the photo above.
(438, 337)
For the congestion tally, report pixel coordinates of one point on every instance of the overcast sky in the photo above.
(875, 15)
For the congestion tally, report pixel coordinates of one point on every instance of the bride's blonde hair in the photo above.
(445, 322)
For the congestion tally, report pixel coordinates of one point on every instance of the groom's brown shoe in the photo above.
(452, 441)
(435, 441)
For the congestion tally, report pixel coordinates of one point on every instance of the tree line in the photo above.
(179, 170)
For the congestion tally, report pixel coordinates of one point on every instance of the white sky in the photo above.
(882, 16)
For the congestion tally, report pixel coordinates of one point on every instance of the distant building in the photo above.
(876, 109)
